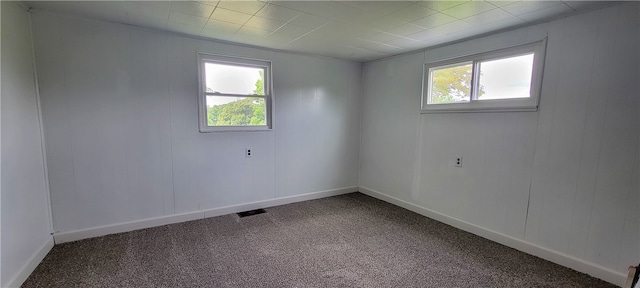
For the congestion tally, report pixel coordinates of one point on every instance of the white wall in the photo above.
(564, 178)
(25, 214)
(120, 113)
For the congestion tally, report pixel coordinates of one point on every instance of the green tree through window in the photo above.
(452, 84)
(247, 111)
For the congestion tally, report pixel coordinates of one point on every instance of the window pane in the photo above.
(236, 111)
(230, 79)
(450, 84)
(506, 78)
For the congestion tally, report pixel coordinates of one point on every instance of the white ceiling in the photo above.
(355, 30)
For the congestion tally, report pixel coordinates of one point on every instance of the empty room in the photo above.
(469, 143)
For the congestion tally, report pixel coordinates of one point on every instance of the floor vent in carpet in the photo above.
(251, 212)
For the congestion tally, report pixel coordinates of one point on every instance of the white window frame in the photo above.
(489, 105)
(204, 58)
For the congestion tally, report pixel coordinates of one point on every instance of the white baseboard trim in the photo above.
(31, 264)
(278, 201)
(577, 264)
(62, 237)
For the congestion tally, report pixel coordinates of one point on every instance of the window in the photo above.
(234, 93)
(502, 80)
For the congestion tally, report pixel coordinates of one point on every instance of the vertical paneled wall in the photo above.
(564, 178)
(584, 201)
(120, 112)
(25, 212)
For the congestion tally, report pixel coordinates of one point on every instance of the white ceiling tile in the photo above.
(405, 43)
(192, 8)
(441, 39)
(278, 13)
(361, 48)
(462, 34)
(347, 52)
(490, 16)
(336, 10)
(434, 20)
(339, 31)
(246, 7)
(324, 9)
(524, 7)
(384, 24)
(372, 57)
(379, 8)
(440, 31)
(384, 48)
(252, 31)
(357, 53)
(314, 45)
(413, 12)
(362, 30)
(452, 27)
(280, 39)
(406, 29)
(337, 52)
(222, 14)
(264, 24)
(468, 9)
(424, 36)
(250, 39)
(221, 26)
(496, 25)
(213, 3)
(294, 5)
(293, 30)
(309, 21)
(362, 43)
(352, 49)
(500, 3)
(381, 37)
(546, 13)
(441, 5)
(187, 19)
(360, 17)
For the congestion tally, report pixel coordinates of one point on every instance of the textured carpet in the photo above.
(346, 241)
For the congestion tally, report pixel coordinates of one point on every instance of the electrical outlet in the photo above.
(247, 152)
(458, 161)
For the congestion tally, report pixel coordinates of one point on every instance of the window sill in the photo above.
(236, 129)
(449, 109)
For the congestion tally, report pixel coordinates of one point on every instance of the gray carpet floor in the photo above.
(346, 241)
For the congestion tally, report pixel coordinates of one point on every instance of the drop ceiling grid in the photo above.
(356, 30)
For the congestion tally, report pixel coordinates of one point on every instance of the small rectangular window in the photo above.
(502, 80)
(234, 93)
